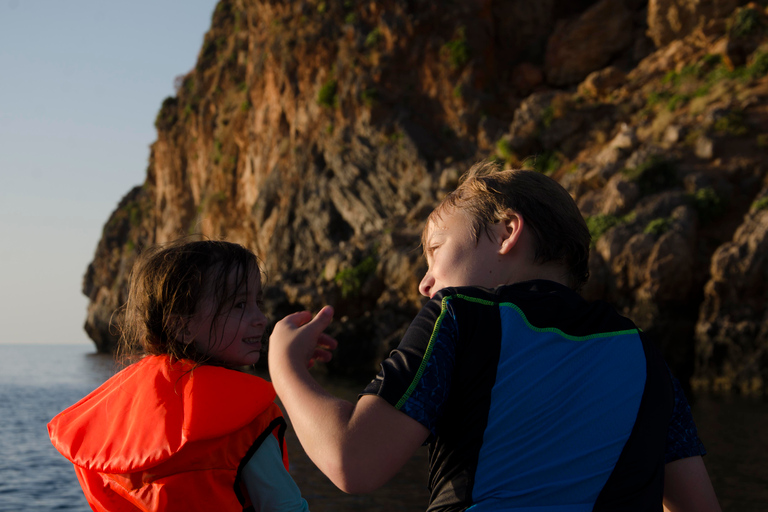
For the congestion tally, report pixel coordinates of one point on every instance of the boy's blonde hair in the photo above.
(561, 236)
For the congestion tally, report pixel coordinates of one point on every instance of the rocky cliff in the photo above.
(321, 133)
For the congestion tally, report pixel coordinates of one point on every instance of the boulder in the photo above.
(669, 270)
(602, 82)
(527, 120)
(526, 77)
(732, 347)
(669, 20)
(587, 43)
(620, 195)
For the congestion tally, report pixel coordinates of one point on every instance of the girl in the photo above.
(181, 429)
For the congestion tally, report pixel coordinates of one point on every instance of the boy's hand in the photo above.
(300, 338)
(358, 446)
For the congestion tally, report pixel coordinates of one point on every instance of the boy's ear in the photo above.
(513, 225)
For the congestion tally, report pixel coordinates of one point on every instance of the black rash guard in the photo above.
(537, 400)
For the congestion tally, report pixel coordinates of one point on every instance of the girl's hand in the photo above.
(300, 338)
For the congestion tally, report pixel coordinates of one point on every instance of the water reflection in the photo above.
(37, 382)
(733, 431)
(406, 492)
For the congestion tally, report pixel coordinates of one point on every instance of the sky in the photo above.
(81, 82)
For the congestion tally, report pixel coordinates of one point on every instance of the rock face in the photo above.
(588, 42)
(321, 135)
(732, 332)
(669, 20)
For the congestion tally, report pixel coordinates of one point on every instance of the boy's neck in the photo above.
(534, 271)
(520, 263)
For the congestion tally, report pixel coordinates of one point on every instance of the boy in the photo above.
(529, 397)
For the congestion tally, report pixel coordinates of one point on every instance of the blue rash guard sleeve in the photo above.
(682, 436)
(416, 377)
(269, 485)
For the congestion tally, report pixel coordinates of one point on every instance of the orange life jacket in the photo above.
(161, 435)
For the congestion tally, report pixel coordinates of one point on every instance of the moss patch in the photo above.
(707, 204)
(599, 224)
(326, 97)
(654, 175)
(457, 50)
(760, 204)
(351, 280)
(658, 227)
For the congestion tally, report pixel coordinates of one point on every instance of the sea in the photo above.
(38, 381)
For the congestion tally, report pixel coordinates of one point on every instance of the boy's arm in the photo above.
(359, 446)
(687, 487)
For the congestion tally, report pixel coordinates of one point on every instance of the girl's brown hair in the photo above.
(485, 193)
(166, 286)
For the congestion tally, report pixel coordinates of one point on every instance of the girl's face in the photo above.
(234, 337)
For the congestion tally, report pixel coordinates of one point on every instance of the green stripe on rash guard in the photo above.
(427, 353)
(545, 329)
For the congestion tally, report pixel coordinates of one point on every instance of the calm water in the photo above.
(38, 381)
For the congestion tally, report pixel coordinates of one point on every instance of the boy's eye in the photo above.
(240, 304)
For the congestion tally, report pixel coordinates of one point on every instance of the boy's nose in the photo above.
(426, 284)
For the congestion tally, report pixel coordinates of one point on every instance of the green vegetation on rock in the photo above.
(745, 22)
(548, 116)
(760, 204)
(599, 224)
(707, 204)
(457, 50)
(370, 96)
(504, 149)
(135, 213)
(395, 137)
(758, 67)
(373, 38)
(653, 175)
(658, 227)
(545, 162)
(699, 80)
(732, 123)
(216, 156)
(326, 97)
(168, 114)
(351, 280)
